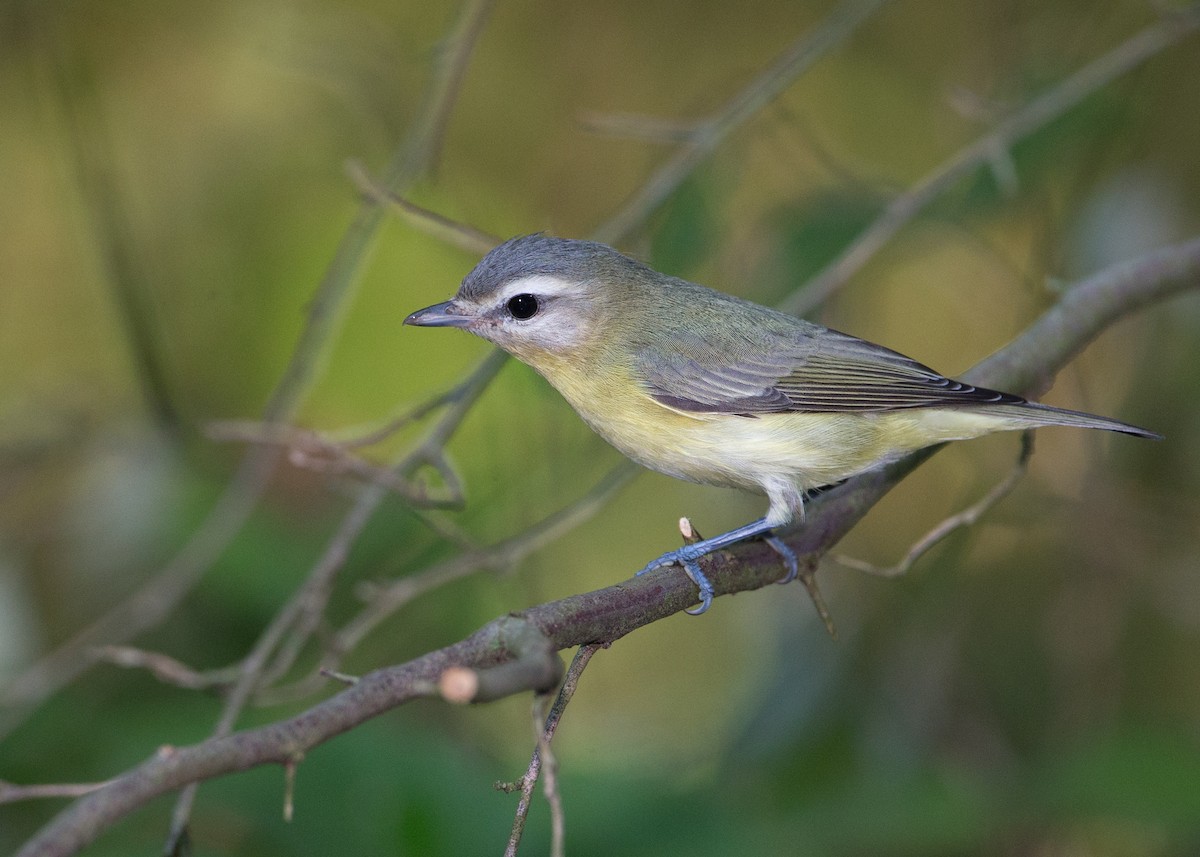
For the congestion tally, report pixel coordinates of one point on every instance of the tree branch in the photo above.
(608, 614)
(155, 601)
(542, 756)
(710, 132)
(992, 148)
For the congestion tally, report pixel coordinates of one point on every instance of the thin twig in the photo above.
(454, 57)
(12, 793)
(966, 518)
(654, 129)
(325, 315)
(528, 782)
(712, 131)
(310, 450)
(157, 599)
(991, 149)
(301, 616)
(309, 601)
(165, 668)
(452, 232)
(289, 789)
(383, 601)
(558, 819)
(457, 403)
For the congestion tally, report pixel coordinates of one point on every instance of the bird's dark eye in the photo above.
(522, 306)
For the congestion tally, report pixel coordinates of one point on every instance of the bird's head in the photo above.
(542, 298)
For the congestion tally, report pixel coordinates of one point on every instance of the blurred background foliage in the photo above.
(174, 190)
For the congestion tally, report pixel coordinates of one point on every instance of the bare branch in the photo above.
(11, 792)
(545, 736)
(148, 606)
(165, 668)
(309, 450)
(967, 517)
(157, 599)
(451, 67)
(309, 603)
(452, 232)
(655, 129)
(1028, 363)
(992, 150)
(324, 318)
(534, 666)
(608, 614)
(711, 132)
(558, 820)
(384, 601)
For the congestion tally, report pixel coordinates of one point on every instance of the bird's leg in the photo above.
(688, 555)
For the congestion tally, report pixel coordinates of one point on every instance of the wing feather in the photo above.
(815, 370)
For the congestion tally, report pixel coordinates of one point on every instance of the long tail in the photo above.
(1034, 414)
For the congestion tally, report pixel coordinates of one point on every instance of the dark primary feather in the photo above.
(780, 372)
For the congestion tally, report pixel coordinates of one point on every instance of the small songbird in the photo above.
(710, 388)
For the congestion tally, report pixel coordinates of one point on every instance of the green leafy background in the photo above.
(174, 190)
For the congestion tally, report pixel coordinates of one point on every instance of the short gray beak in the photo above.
(439, 315)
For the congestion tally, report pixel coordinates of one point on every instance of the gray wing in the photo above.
(818, 370)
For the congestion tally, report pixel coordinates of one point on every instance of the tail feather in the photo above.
(1034, 414)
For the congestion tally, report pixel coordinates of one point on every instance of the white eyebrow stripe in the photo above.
(536, 284)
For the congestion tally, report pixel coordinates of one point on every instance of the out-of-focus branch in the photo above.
(632, 126)
(300, 616)
(452, 232)
(166, 669)
(11, 792)
(385, 601)
(148, 606)
(608, 614)
(696, 139)
(382, 601)
(326, 312)
(545, 735)
(992, 149)
(966, 518)
(712, 131)
(310, 450)
(307, 448)
(450, 68)
(154, 602)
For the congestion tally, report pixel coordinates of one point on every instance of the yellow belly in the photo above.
(805, 450)
(779, 454)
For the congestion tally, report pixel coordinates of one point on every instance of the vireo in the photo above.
(710, 388)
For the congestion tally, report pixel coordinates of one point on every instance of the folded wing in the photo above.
(823, 372)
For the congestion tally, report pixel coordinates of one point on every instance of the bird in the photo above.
(714, 389)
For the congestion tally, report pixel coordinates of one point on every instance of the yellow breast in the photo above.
(805, 450)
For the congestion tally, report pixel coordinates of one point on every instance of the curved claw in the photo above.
(789, 558)
(689, 553)
(687, 559)
(706, 591)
